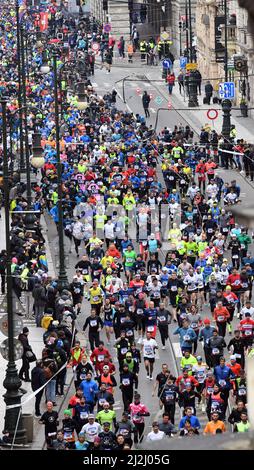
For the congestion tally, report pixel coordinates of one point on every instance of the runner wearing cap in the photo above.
(68, 428)
(91, 429)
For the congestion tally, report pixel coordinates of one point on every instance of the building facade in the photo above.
(211, 46)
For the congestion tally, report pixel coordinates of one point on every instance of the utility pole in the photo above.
(226, 103)
(193, 96)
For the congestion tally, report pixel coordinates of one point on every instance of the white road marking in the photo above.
(148, 85)
(177, 349)
(152, 110)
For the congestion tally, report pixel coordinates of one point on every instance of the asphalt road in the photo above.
(103, 83)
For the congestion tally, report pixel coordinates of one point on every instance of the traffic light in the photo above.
(105, 5)
(130, 4)
(240, 64)
(180, 25)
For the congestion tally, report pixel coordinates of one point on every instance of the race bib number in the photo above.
(174, 288)
(215, 351)
(162, 318)
(140, 311)
(235, 256)
(124, 350)
(83, 415)
(101, 357)
(93, 322)
(150, 328)
(222, 383)
(126, 382)
(221, 318)
(186, 338)
(129, 333)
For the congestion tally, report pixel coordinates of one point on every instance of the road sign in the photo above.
(191, 66)
(183, 62)
(107, 28)
(17, 325)
(212, 114)
(158, 100)
(164, 35)
(16, 304)
(95, 46)
(18, 349)
(227, 90)
(166, 63)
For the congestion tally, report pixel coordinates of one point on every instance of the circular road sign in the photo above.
(212, 114)
(166, 63)
(95, 46)
(107, 28)
(18, 349)
(164, 35)
(17, 325)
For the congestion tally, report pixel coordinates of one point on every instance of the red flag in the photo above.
(43, 21)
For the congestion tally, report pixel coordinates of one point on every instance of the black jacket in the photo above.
(38, 378)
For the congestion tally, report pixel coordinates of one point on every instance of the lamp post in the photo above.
(193, 96)
(226, 104)
(180, 37)
(24, 107)
(62, 276)
(73, 64)
(22, 161)
(12, 382)
(226, 125)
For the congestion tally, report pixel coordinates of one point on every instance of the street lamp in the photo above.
(22, 161)
(62, 274)
(226, 104)
(12, 382)
(193, 95)
(37, 160)
(82, 103)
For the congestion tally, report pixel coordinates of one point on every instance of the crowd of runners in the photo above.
(149, 220)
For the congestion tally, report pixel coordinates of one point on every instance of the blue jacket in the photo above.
(194, 422)
(89, 389)
(223, 376)
(183, 332)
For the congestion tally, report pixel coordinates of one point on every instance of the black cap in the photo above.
(25, 329)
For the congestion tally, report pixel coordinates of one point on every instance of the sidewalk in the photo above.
(35, 336)
(198, 116)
